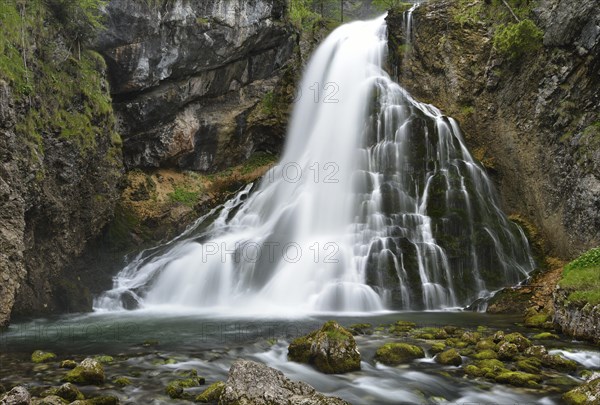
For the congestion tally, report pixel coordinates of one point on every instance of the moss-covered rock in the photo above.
(485, 355)
(491, 367)
(449, 357)
(498, 336)
(212, 393)
(361, 329)
(394, 354)
(470, 337)
(430, 333)
(50, 400)
(69, 392)
(104, 359)
(122, 381)
(89, 371)
(437, 347)
(486, 344)
(536, 351)
(559, 363)
(402, 327)
(519, 340)
(536, 319)
(331, 349)
(70, 364)
(507, 351)
(103, 400)
(586, 393)
(518, 378)
(545, 336)
(530, 365)
(175, 389)
(40, 356)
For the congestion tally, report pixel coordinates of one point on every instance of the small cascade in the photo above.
(376, 204)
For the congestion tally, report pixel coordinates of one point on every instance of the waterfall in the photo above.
(376, 204)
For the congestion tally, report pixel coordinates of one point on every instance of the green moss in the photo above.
(212, 393)
(516, 40)
(401, 327)
(122, 381)
(518, 339)
(175, 389)
(70, 364)
(470, 337)
(486, 344)
(437, 347)
(184, 196)
(430, 333)
(89, 371)
(518, 378)
(530, 365)
(575, 397)
(545, 336)
(257, 161)
(449, 357)
(538, 320)
(398, 353)
(485, 355)
(580, 278)
(558, 362)
(104, 359)
(40, 356)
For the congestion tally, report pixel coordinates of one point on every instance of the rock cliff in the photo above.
(534, 122)
(186, 76)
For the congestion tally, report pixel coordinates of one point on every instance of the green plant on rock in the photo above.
(580, 278)
(515, 40)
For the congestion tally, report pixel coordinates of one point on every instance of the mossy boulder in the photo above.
(70, 364)
(491, 367)
(485, 355)
(437, 347)
(518, 379)
(545, 336)
(175, 389)
(586, 393)
(402, 327)
(49, 400)
(530, 365)
(559, 363)
(431, 333)
(89, 371)
(507, 351)
(104, 359)
(361, 329)
(537, 319)
(212, 393)
(449, 358)
(498, 336)
(102, 400)
(470, 337)
(486, 344)
(394, 354)
(519, 340)
(40, 356)
(69, 392)
(122, 381)
(536, 351)
(331, 349)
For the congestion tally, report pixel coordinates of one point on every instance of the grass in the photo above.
(581, 278)
(184, 196)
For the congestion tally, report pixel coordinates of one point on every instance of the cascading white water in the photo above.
(349, 220)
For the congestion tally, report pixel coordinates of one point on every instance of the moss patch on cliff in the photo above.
(581, 278)
(59, 86)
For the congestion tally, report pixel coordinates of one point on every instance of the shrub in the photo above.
(514, 41)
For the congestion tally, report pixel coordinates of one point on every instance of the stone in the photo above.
(40, 356)
(69, 392)
(558, 362)
(17, 396)
(89, 371)
(536, 351)
(70, 364)
(212, 393)
(518, 339)
(51, 400)
(586, 393)
(393, 354)
(518, 378)
(449, 358)
(331, 349)
(252, 383)
(507, 351)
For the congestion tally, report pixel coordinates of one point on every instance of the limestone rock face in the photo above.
(535, 124)
(252, 383)
(579, 321)
(186, 74)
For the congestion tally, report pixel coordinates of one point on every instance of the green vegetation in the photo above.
(59, 86)
(399, 5)
(184, 196)
(514, 41)
(581, 278)
(394, 354)
(40, 356)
